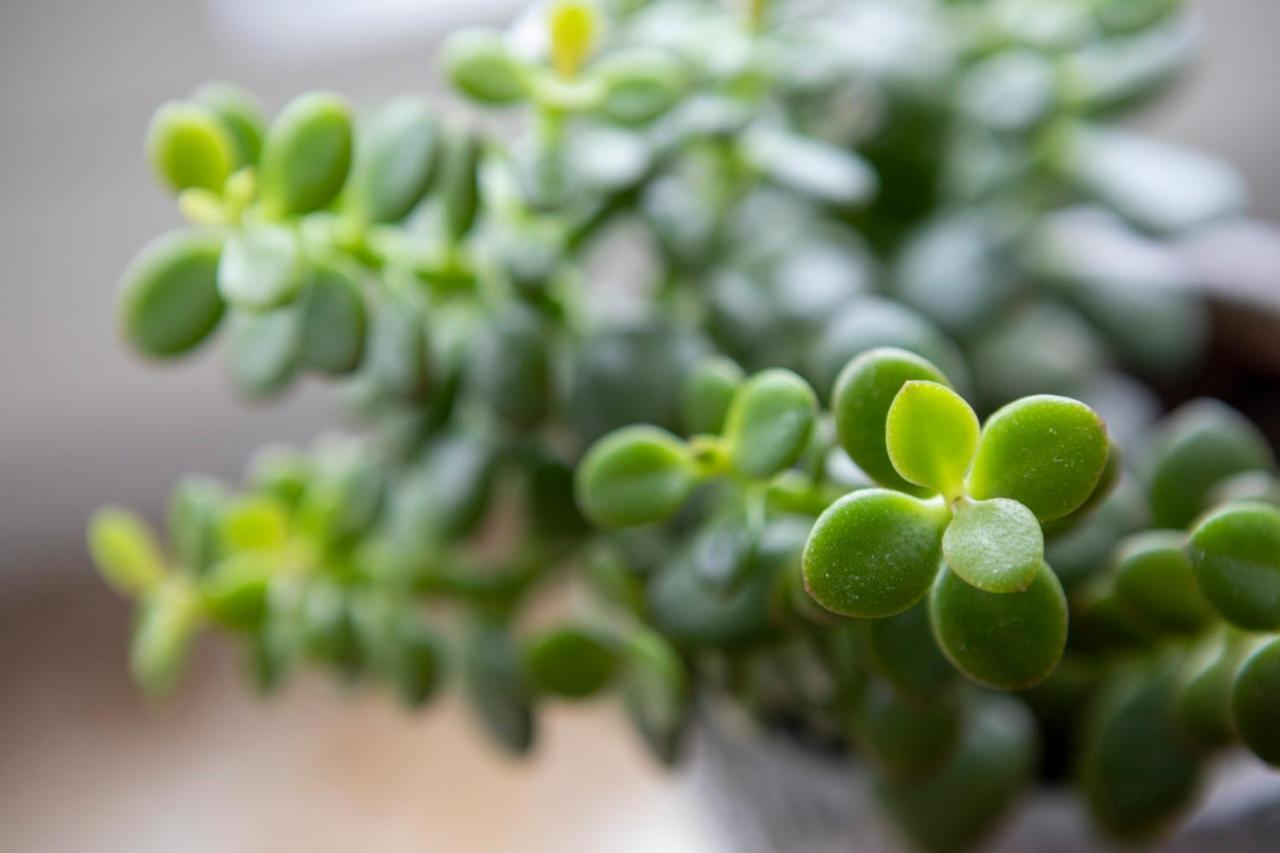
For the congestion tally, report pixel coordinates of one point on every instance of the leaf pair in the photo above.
(640, 475)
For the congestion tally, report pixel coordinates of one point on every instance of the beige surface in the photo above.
(88, 766)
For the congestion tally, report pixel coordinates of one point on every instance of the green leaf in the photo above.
(813, 168)
(636, 475)
(868, 322)
(124, 551)
(572, 663)
(254, 523)
(902, 739)
(188, 147)
(874, 553)
(1045, 452)
(552, 511)
(334, 320)
(864, 392)
(574, 28)
(195, 506)
(722, 551)
(234, 591)
(964, 801)
(1199, 446)
(707, 395)
(770, 422)
(687, 611)
(397, 358)
(931, 434)
(1153, 575)
(306, 155)
(1236, 555)
(511, 368)
(328, 629)
(1203, 704)
(460, 185)
(1137, 770)
(416, 667)
(1157, 185)
(902, 651)
(479, 63)
(655, 692)
(240, 114)
(264, 350)
(1006, 641)
(639, 85)
(261, 268)
(169, 301)
(395, 160)
(1254, 699)
(167, 620)
(496, 687)
(995, 545)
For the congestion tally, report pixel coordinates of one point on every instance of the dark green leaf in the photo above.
(1200, 445)
(860, 402)
(1236, 555)
(306, 155)
(1153, 575)
(169, 301)
(1006, 641)
(333, 320)
(1255, 697)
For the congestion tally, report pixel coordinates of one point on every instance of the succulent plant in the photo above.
(707, 340)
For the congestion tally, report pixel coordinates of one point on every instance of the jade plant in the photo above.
(764, 368)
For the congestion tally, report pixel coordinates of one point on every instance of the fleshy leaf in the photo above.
(481, 65)
(188, 147)
(1137, 770)
(1153, 575)
(169, 300)
(124, 551)
(306, 155)
(874, 553)
(707, 395)
(395, 159)
(1236, 555)
(1196, 448)
(863, 394)
(637, 475)
(1255, 697)
(963, 802)
(571, 663)
(334, 320)
(1006, 641)
(931, 434)
(995, 545)
(261, 268)
(770, 422)
(1045, 452)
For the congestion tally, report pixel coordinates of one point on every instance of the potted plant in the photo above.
(805, 344)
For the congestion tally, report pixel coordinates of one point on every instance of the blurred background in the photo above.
(87, 765)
